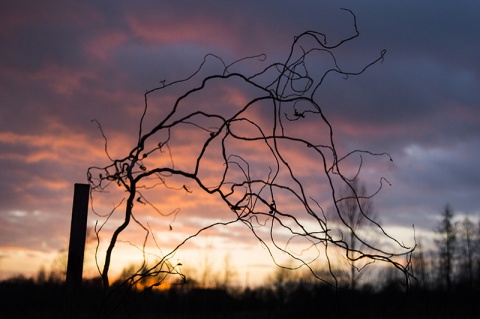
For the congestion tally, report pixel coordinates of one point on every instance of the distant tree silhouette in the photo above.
(447, 246)
(477, 255)
(257, 190)
(467, 251)
(421, 267)
(227, 274)
(356, 208)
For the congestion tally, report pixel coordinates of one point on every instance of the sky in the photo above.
(63, 64)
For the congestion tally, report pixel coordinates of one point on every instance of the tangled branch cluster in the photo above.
(286, 94)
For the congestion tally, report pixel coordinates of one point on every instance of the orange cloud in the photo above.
(60, 146)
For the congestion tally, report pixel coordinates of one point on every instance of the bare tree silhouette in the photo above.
(356, 207)
(466, 232)
(447, 246)
(248, 155)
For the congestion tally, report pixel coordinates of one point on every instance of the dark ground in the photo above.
(23, 298)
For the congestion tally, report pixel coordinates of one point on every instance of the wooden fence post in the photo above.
(76, 248)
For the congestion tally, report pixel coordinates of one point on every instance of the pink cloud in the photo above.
(102, 45)
(63, 80)
(174, 25)
(167, 29)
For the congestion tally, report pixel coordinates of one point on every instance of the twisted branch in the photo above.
(285, 89)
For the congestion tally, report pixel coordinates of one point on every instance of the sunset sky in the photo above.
(65, 63)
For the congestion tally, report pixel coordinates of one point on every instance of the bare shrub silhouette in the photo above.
(259, 155)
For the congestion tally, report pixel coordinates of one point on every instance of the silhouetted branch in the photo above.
(286, 93)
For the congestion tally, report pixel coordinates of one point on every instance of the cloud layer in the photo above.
(64, 65)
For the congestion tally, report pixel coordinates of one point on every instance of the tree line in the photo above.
(446, 284)
(454, 261)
